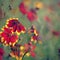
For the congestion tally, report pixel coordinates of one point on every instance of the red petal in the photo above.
(13, 38)
(7, 30)
(33, 48)
(10, 23)
(35, 37)
(4, 35)
(14, 28)
(22, 8)
(32, 54)
(20, 28)
(31, 16)
(26, 47)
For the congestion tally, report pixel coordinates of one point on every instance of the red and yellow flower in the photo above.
(15, 25)
(7, 36)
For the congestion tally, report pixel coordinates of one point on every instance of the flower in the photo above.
(22, 8)
(32, 15)
(7, 37)
(30, 49)
(56, 33)
(26, 49)
(15, 52)
(33, 30)
(15, 25)
(34, 37)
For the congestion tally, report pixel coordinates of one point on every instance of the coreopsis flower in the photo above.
(15, 25)
(7, 37)
(22, 8)
(32, 15)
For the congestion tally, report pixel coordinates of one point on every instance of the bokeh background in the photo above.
(48, 50)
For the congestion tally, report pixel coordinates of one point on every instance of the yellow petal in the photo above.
(22, 48)
(38, 4)
(28, 54)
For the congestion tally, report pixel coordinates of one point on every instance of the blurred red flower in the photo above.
(32, 15)
(23, 8)
(56, 33)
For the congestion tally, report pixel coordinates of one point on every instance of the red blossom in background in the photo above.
(15, 25)
(23, 8)
(56, 33)
(8, 37)
(58, 4)
(32, 15)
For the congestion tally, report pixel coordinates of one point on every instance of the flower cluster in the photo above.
(19, 51)
(10, 36)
